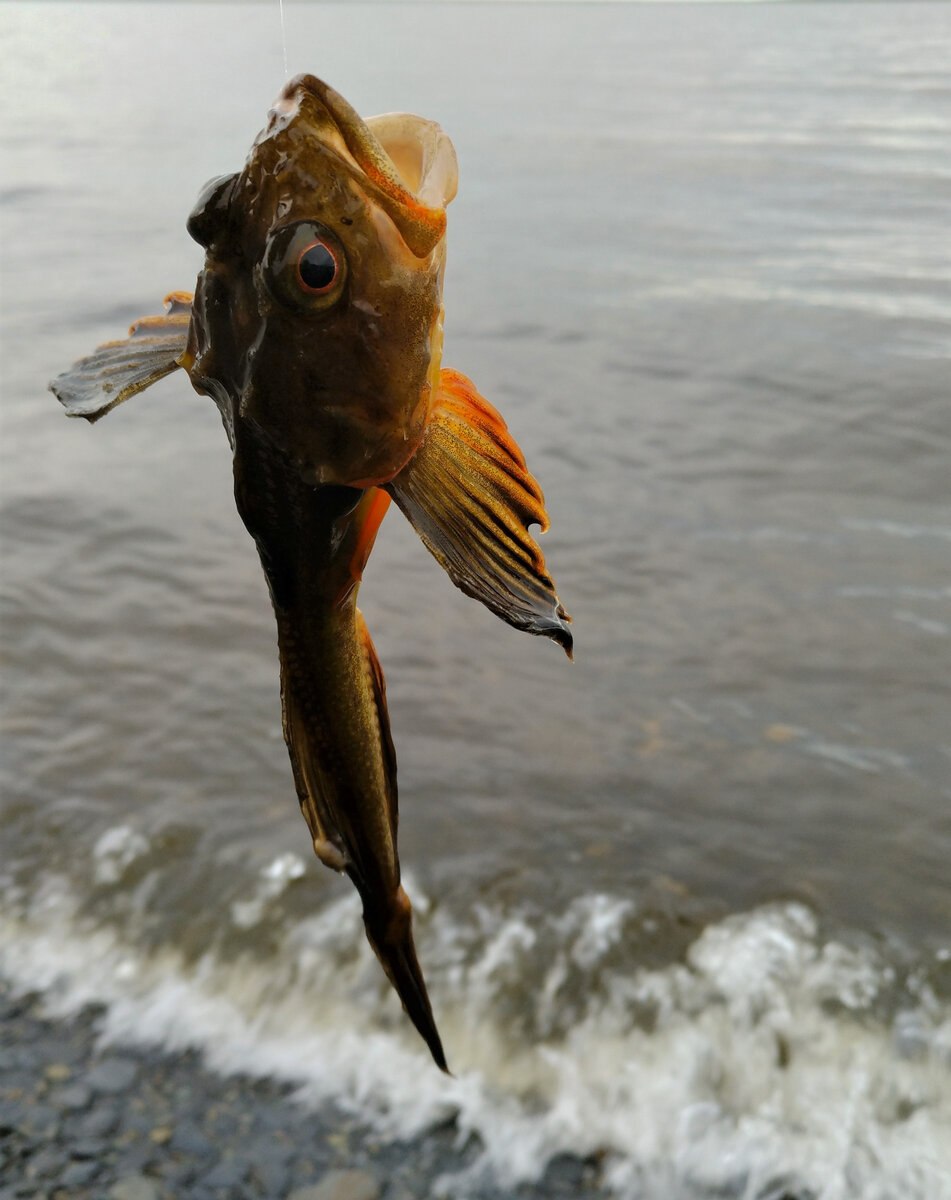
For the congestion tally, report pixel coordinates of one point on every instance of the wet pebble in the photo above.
(71, 1099)
(39, 1121)
(187, 1139)
(99, 1123)
(78, 1174)
(45, 1163)
(272, 1175)
(112, 1075)
(88, 1148)
(135, 1187)
(341, 1185)
(230, 1173)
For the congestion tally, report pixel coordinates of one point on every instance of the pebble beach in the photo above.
(84, 1121)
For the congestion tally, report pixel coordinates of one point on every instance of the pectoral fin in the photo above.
(117, 370)
(469, 495)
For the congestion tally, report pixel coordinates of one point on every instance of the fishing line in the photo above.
(283, 36)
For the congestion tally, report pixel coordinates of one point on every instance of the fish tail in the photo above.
(388, 918)
(390, 933)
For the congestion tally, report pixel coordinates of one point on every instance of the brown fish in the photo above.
(316, 328)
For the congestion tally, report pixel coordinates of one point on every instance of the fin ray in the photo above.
(116, 371)
(471, 498)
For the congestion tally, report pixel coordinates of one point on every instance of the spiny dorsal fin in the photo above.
(469, 495)
(117, 370)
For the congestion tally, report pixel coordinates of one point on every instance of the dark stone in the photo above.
(78, 1174)
(74, 1098)
(229, 1173)
(135, 1159)
(40, 1121)
(11, 1117)
(46, 1163)
(113, 1075)
(188, 1139)
(92, 1149)
(784, 1188)
(272, 1175)
(99, 1123)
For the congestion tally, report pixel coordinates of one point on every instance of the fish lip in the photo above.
(406, 162)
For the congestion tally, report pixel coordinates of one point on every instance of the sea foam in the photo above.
(766, 1052)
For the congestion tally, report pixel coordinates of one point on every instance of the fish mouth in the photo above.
(409, 163)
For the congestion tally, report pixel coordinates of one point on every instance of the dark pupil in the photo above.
(317, 267)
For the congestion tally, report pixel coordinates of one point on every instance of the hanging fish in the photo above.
(316, 328)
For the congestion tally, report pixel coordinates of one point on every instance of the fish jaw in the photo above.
(408, 162)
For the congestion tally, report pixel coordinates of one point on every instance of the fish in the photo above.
(316, 328)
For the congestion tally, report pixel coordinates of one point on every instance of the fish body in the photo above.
(316, 328)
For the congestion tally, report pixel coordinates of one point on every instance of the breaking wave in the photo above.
(762, 1058)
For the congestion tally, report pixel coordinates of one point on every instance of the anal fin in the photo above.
(118, 370)
(388, 918)
(469, 495)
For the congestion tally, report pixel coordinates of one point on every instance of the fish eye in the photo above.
(317, 268)
(305, 266)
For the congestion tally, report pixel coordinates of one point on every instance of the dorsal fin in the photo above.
(117, 370)
(469, 495)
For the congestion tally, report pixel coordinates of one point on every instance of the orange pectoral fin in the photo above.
(375, 504)
(118, 370)
(469, 495)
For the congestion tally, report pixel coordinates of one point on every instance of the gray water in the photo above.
(700, 260)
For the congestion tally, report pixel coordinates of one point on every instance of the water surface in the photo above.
(685, 903)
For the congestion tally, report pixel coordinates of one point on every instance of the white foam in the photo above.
(759, 1057)
(115, 851)
(272, 882)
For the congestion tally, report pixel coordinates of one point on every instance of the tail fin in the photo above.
(389, 919)
(390, 932)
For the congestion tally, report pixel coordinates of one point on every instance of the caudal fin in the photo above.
(389, 919)
(390, 933)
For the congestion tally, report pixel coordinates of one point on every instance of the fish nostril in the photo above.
(211, 210)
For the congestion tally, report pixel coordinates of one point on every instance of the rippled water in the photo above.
(686, 902)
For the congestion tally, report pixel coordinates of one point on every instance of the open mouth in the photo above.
(407, 161)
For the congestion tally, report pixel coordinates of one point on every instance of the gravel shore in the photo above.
(78, 1121)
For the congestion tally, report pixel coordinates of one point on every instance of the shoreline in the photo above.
(82, 1121)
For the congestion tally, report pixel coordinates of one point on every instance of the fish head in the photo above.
(317, 318)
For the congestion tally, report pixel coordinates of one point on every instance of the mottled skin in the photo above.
(320, 405)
